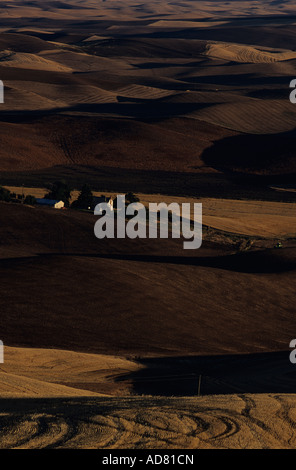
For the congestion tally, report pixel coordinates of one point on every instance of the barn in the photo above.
(51, 203)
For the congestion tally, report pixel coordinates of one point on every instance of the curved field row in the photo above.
(30, 61)
(246, 54)
(17, 99)
(215, 98)
(53, 95)
(145, 92)
(265, 225)
(254, 116)
(12, 385)
(185, 24)
(83, 62)
(221, 422)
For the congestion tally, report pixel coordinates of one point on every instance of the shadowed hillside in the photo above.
(256, 154)
(164, 292)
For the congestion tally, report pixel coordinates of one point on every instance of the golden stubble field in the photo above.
(218, 422)
(37, 412)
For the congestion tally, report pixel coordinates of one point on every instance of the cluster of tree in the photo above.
(59, 191)
(30, 200)
(5, 194)
(85, 198)
(129, 199)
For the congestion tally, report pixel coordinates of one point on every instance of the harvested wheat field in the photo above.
(41, 413)
(139, 343)
(221, 422)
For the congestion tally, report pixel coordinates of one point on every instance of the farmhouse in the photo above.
(50, 203)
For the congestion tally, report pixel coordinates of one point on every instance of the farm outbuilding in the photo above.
(51, 203)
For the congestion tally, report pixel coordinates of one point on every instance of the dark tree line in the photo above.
(61, 191)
